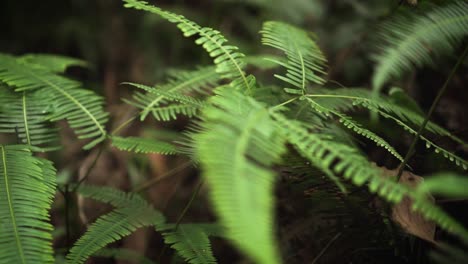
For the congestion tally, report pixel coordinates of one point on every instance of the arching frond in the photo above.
(413, 40)
(229, 62)
(347, 99)
(181, 82)
(112, 227)
(305, 61)
(143, 145)
(341, 159)
(192, 243)
(82, 108)
(25, 114)
(52, 63)
(27, 188)
(349, 123)
(112, 196)
(132, 213)
(237, 145)
(446, 184)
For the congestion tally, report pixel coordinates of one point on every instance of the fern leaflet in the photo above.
(236, 147)
(25, 235)
(143, 145)
(414, 41)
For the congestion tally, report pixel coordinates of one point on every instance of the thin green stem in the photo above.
(431, 110)
(285, 103)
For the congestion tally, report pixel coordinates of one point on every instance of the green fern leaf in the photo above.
(347, 99)
(152, 100)
(143, 145)
(52, 63)
(181, 82)
(342, 159)
(349, 123)
(132, 213)
(112, 227)
(112, 196)
(27, 189)
(26, 115)
(446, 184)
(415, 40)
(82, 108)
(229, 62)
(236, 147)
(192, 243)
(305, 60)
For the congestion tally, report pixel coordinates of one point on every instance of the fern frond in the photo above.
(415, 41)
(52, 63)
(123, 254)
(181, 82)
(27, 188)
(143, 145)
(236, 147)
(349, 123)
(25, 114)
(229, 62)
(341, 159)
(305, 60)
(82, 108)
(112, 196)
(347, 99)
(191, 242)
(112, 227)
(132, 213)
(446, 184)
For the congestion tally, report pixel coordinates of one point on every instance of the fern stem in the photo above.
(91, 167)
(325, 248)
(285, 103)
(151, 182)
(189, 204)
(431, 110)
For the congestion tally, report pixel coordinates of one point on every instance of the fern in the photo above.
(415, 40)
(229, 62)
(52, 63)
(112, 227)
(353, 125)
(304, 56)
(236, 148)
(340, 159)
(82, 108)
(181, 82)
(25, 114)
(143, 145)
(347, 99)
(192, 243)
(132, 212)
(27, 187)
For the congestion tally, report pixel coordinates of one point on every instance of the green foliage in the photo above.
(67, 100)
(24, 218)
(245, 135)
(143, 145)
(180, 82)
(191, 241)
(25, 114)
(239, 172)
(447, 184)
(229, 62)
(132, 212)
(413, 39)
(304, 56)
